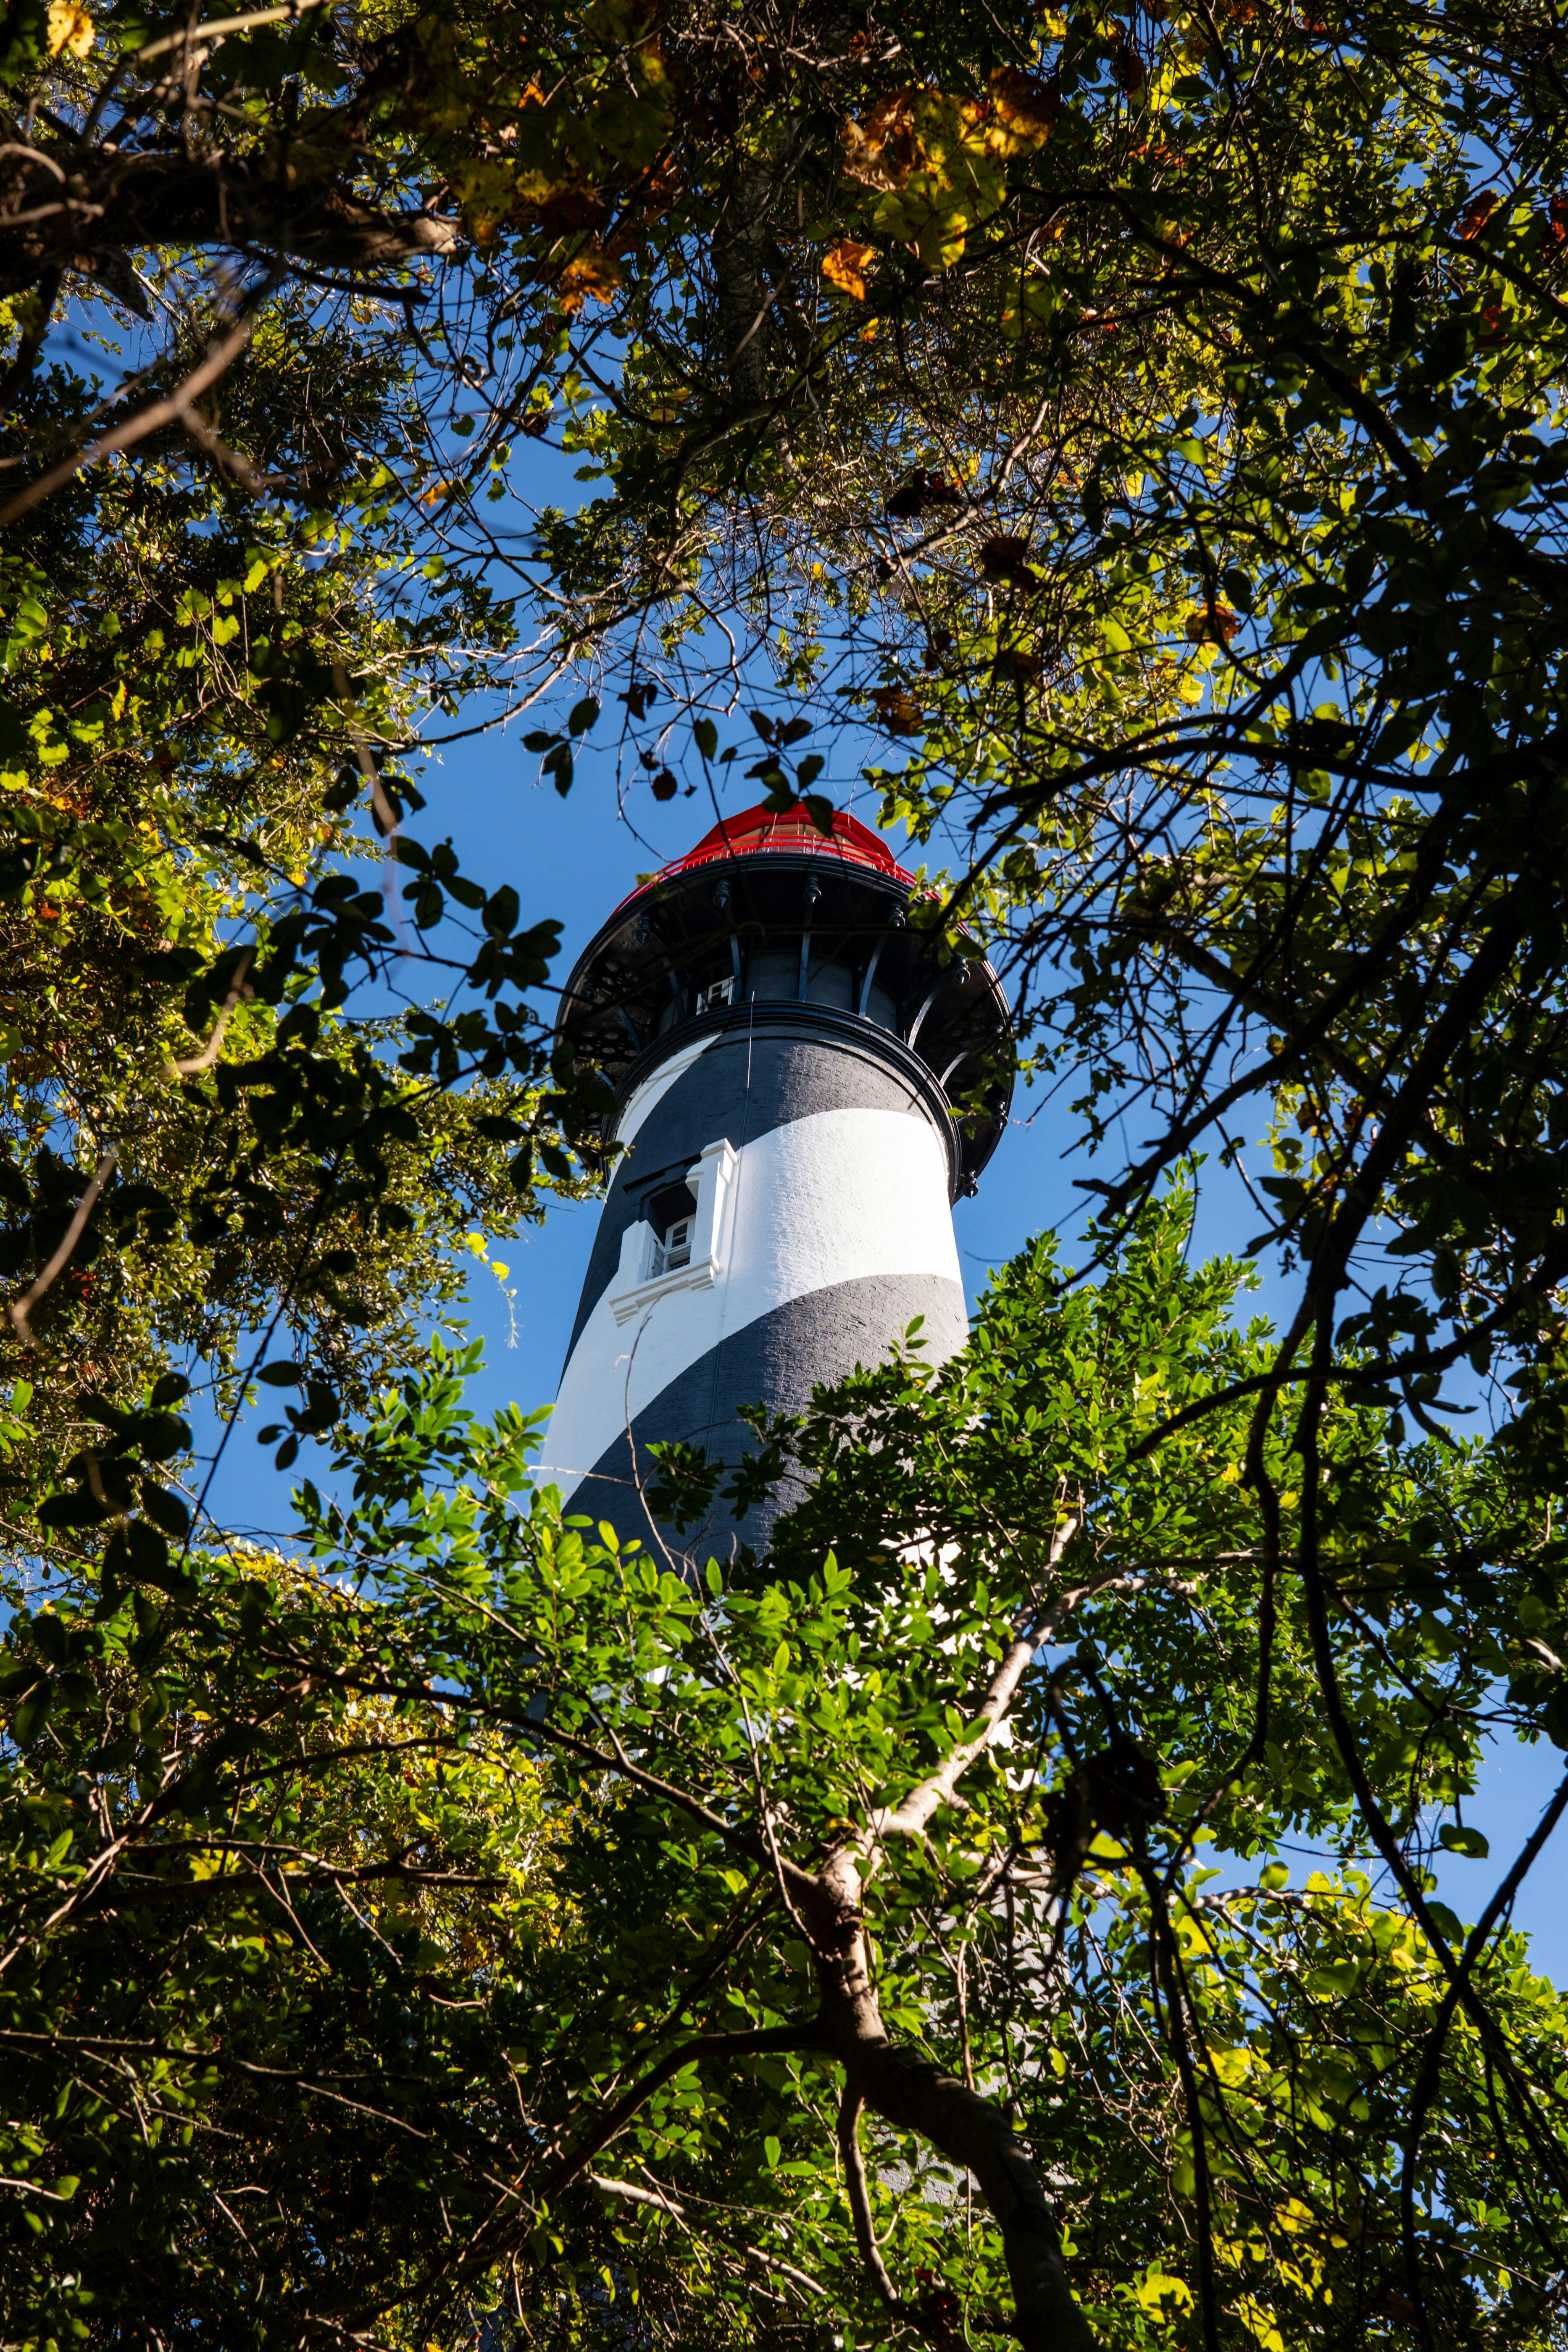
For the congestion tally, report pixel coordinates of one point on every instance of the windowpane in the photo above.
(674, 1249)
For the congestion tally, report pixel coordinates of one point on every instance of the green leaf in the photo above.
(147, 1555)
(1458, 1838)
(33, 1713)
(165, 1510)
(501, 912)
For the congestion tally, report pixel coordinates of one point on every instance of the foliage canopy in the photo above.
(1151, 426)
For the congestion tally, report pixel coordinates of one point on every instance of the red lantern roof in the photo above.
(763, 829)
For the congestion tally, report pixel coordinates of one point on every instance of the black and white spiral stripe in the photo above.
(837, 1233)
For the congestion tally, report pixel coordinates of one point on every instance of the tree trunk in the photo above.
(744, 329)
(911, 2092)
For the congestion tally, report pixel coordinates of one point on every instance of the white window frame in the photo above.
(637, 1284)
(672, 1255)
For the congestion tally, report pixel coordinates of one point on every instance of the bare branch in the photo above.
(204, 1060)
(195, 34)
(859, 2194)
(630, 2194)
(911, 1815)
(22, 1308)
(220, 358)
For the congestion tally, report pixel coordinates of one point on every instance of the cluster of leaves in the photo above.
(242, 1931)
(228, 1115)
(439, 1928)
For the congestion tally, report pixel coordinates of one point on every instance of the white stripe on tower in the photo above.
(843, 1196)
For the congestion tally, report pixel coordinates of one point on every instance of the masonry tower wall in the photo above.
(788, 1053)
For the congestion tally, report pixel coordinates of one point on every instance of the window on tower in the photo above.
(716, 996)
(673, 1247)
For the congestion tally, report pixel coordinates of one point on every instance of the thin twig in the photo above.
(196, 1063)
(193, 33)
(22, 1308)
(220, 357)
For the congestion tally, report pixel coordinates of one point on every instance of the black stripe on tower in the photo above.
(767, 1065)
(779, 1357)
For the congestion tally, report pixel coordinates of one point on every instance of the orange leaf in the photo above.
(1217, 626)
(844, 265)
(1476, 215)
(593, 272)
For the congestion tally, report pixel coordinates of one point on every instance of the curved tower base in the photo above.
(812, 1167)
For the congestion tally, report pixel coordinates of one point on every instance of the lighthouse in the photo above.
(804, 1080)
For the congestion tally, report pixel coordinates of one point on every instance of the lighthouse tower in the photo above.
(803, 1086)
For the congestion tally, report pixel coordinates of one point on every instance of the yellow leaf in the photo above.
(1260, 2323)
(844, 265)
(70, 28)
(1158, 2287)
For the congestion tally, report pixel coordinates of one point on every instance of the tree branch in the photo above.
(910, 1816)
(911, 2091)
(220, 357)
(22, 1308)
(854, 2182)
(703, 2045)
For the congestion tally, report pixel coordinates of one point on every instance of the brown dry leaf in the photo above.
(1025, 110)
(1127, 67)
(897, 709)
(845, 264)
(883, 149)
(1214, 627)
(565, 209)
(1006, 558)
